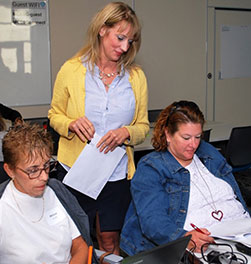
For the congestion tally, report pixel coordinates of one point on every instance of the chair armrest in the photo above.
(112, 258)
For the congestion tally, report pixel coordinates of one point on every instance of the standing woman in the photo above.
(101, 90)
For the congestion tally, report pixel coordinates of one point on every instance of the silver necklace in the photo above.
(19, 208)
(216, 214)
(104, 77)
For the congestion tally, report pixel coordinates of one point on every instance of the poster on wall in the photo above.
(25, 64)
(29, 13)
(235, 51)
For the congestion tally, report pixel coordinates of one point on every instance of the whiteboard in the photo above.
(25, 68)
(235, 51)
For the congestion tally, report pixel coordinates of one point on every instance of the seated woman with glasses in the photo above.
(184, 181)
(40, 221)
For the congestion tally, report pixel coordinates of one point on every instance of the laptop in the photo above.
(170, 253)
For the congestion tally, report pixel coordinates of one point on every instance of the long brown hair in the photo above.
(171, 117)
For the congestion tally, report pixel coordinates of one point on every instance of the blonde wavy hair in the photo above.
(171, 117)
(109, 16)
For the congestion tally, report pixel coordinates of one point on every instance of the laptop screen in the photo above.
(170, 253)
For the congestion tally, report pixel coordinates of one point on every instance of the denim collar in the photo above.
(175, 166)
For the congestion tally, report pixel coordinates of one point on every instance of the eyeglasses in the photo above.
(34, 173)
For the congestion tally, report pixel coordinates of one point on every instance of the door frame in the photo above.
(212, 6)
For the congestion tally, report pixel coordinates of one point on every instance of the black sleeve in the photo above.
(9, 113)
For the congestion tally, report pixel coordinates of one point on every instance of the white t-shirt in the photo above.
(23, 240)
(202, 202)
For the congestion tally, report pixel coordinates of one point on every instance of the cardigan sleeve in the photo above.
(57, 114)
(139, 127)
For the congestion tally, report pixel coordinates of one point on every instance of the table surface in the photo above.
(220, 131)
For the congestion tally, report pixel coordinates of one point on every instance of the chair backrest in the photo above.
(3, 175)
(206, 135)
(153, 115)
(238, 150)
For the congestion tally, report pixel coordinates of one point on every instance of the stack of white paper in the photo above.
(235, 230)
(93, 168)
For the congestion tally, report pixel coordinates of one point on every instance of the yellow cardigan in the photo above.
(68, 104)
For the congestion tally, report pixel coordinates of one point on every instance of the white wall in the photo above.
(173, 52)
(69, 21)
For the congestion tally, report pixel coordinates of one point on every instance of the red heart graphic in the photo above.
(217, 215)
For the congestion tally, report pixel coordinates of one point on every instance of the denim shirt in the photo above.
(160, 195)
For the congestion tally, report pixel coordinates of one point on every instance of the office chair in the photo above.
(206, 135)
(238, 149)
(153, 115)
(3, 175)
(238, 155)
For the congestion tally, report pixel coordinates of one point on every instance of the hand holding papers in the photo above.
(92, 169)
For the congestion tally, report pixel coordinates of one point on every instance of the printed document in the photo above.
(234, 230)
(93, 168)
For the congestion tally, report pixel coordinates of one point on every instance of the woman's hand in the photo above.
(199, 239)
(112, 139)
(83, 128)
